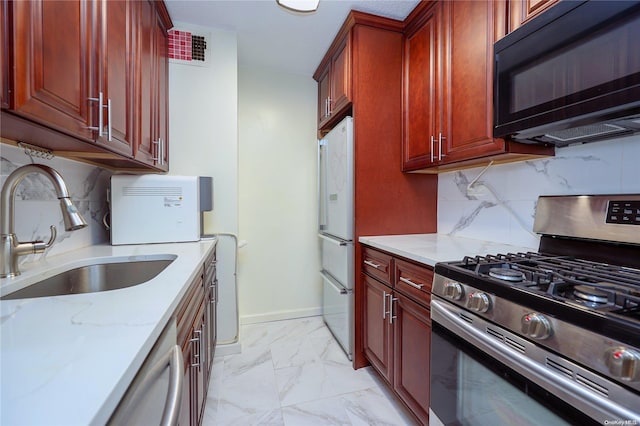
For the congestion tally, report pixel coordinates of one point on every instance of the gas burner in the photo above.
(590, 294)
(506, 274)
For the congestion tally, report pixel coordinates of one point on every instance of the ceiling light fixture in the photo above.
(305, 6)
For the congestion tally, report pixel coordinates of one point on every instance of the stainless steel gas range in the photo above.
(547, 337)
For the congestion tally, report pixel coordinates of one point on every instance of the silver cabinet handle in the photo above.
(158, 157)
(108, 119)
(432, 148)
(384, 304)
(440, 138)
(411, 283)
(373, 265)
(196, 355)
(391, 315)
(329, 106)
(99, 99)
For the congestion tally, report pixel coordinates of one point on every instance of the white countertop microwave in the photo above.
(157, 208)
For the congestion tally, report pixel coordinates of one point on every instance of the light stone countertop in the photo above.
(68, 360)
(430, 249)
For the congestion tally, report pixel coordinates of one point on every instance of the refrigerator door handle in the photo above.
(322, 211)
(335, 241)
(336, 285)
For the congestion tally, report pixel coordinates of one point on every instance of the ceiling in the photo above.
(272, 37)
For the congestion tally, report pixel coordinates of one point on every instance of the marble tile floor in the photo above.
(293, 373)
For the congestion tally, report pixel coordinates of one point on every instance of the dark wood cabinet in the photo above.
(114, 72)
(411, 354)
(152, 78)
(448, 88)
(422, 89)
(334, 84)
(378, 343)
(75, 74)
(196, 320)
(397, 328)
(521, 11)
(50, 64)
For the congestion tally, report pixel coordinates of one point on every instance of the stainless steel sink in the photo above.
(94, 278)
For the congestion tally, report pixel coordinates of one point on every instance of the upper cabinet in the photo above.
(50, 81)
(521, 11)
(448, 87)
(71, 77)
(334, 84)
(152, 90)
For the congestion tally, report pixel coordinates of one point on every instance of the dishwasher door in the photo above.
(337, 311)
(154, 396)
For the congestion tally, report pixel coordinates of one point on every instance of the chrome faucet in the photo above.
(10, 247)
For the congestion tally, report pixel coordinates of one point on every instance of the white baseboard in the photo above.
(281, 315)
(228, 349)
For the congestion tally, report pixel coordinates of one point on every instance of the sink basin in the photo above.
(94, 278)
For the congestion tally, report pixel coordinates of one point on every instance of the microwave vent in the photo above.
(150, 191)
(589, 131)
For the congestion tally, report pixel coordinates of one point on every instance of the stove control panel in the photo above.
(536, 326)
(623, 363)
(624, 212)
(479, 301)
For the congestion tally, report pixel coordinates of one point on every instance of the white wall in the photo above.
(502, 207)
(278, 207)
(203, 133)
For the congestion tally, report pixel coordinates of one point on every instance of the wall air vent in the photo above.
(187, 48)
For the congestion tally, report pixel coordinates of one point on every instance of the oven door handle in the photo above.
(532, 366)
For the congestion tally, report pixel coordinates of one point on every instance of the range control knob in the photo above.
(453, 290)
(479, 302)
(536, 326)
(623, 363)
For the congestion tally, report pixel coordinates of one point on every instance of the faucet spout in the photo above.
(10, 247)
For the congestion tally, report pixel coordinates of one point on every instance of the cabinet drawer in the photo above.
(377, 264)
(414, 281)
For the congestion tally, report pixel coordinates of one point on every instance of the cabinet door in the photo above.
(521, 11)
(412, 352)
(51, 64)
(471, 29)
(5, 49)
(341, 78)
(200, 369)
(115, 74)
(421, 91)
(324, 93)
(151, 95)
(377, 336)
(161, 86)
(144, 149)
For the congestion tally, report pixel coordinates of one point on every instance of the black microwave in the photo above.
(570, 75)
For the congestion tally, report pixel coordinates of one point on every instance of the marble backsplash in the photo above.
(500, 205)
(37, 207)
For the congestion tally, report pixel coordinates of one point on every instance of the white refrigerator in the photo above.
(336, 230)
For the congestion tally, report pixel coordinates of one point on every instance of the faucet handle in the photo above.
(40, 246)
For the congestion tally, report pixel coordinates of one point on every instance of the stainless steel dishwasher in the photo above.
(154, 396)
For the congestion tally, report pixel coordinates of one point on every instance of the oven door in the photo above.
(477, 379)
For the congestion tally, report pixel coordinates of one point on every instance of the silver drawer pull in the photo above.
(373, 265)
(411, 283)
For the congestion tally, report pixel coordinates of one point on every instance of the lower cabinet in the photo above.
(196, 319)
(397, 332)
